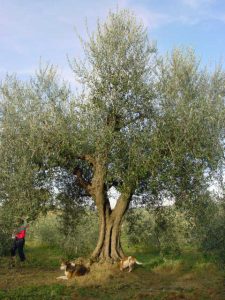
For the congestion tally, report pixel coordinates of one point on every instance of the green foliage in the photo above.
(73, 238)
(151, 124)
(24, 184)
(168, 230)
(80, 235)
(198, 223)
(5, 233)
(164, 229)
(213, 237)
(160, 119)
(45, 230)
(5, 242)
(190, 125)
(138, 228)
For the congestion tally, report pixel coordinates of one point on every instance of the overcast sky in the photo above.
(34, 29)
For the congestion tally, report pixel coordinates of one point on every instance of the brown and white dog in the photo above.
(128, 262)
(72, 269)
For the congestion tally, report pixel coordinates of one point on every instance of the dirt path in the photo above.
(106, 282)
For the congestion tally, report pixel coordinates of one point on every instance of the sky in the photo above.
(44, 30)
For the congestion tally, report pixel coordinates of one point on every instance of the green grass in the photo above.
(45, 292)
(190, 275)
(43, 255)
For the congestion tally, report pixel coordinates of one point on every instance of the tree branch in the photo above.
(87, 158)
(81, 181)
(115, 121)
(123, 202)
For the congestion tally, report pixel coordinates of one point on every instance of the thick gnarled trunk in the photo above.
(108, 246)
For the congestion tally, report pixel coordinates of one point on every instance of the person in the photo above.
(18, 237)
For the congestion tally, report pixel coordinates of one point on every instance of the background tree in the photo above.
(141, 123)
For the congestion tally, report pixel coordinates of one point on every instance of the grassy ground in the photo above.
(189, 276)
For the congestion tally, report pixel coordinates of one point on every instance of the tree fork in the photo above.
(109, 246)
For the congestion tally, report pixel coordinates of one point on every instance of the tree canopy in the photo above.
(141, 122)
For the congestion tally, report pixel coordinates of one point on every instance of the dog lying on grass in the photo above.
(128, 262)
(72, 269)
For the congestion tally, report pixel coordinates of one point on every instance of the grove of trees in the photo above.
(151, 126)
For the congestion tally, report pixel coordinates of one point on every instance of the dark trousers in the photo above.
(18, 244)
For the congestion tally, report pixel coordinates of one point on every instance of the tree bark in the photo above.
(108, 246)
(110, 221)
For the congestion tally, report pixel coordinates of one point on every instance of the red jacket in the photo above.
(21, 232)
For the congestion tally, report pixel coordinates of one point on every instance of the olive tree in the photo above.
(139, 123)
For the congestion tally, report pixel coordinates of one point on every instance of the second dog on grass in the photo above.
(72, 269)
(128, 262)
